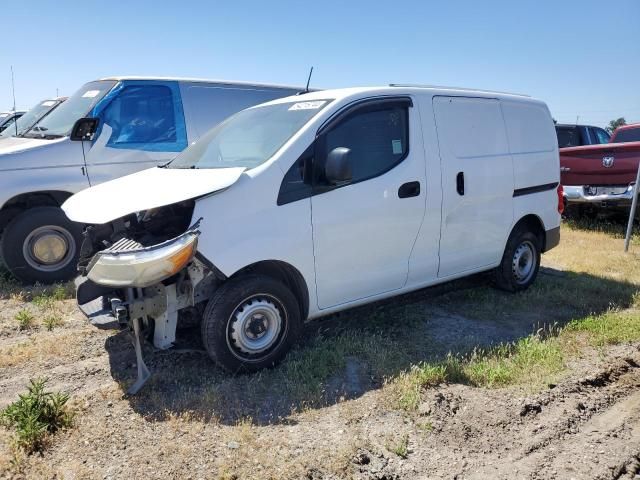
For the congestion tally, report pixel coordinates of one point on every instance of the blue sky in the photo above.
(580, 56)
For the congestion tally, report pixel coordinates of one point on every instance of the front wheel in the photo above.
(42, 245)
(250, 323)
(520, 262)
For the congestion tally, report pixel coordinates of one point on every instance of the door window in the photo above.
(142, 116)
(378, 137)
(599, 135)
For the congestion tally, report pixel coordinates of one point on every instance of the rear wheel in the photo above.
(42, 245)
(520, 261)
(250, 323)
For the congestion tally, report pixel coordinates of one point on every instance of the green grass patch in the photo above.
(609, 328)
(48, 296)
(52, 321)
(531, 360)
(25, 319)
(36, 415)
(400, 447)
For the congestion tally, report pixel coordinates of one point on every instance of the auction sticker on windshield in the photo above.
(90, 93)
(307, 105)
(48, 103)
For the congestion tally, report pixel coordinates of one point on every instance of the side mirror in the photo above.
(337, 167)
(84, 129)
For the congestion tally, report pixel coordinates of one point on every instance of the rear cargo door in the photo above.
(477, 182)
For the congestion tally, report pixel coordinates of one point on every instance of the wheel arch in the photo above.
(287, 274)
(24, 201)
(535, 225)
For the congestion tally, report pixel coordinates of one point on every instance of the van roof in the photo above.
(397, 89)
(203, 80)
(462, 89)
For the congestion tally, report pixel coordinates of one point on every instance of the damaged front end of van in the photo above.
(139, 263)
(139, 273)
(140, 266)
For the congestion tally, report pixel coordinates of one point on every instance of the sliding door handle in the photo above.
(409, 189)
(460, 183)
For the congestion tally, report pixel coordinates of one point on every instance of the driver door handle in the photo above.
(409, 189)
(460, 183)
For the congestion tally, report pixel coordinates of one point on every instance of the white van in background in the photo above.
(141, 122)
(7, 118)
(309, 205)
(21, 125)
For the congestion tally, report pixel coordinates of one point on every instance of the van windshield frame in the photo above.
(250, 137)
(60, 121)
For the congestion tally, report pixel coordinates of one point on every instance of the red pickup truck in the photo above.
(602, 175)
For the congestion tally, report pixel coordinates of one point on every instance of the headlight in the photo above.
(143, 267)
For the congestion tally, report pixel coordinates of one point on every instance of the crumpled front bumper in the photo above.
(581, 194)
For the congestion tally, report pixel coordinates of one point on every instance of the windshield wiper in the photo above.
(42, 136)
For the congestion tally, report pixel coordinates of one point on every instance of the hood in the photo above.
(147, 189)
(19, 144)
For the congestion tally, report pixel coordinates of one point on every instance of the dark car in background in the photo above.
(579, 135)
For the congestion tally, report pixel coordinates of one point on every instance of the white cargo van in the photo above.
(138, 122)
(313, 204)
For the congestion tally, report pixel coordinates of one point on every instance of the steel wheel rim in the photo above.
(49, 248)
(524, 260)
(256, 326)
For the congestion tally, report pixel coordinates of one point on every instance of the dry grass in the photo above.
(40, 348)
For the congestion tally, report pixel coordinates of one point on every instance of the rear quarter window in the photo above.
(568, 137)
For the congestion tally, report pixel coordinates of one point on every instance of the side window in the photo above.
(378, 138)
(599, 135)
(207, 106)
(141, 115)
(568, 137)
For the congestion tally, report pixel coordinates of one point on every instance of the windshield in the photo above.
(60, 122)
(31, 117)
(250, 137)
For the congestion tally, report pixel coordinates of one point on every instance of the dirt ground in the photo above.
(330, 410)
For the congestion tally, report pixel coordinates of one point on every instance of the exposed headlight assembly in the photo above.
(127, 264)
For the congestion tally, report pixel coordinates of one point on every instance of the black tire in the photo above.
(19, 237)
(223, 342)
(508, 275)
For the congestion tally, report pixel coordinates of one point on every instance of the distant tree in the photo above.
(613, 124)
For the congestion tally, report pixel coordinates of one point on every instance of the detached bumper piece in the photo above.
(92, 301)
(618, 196)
